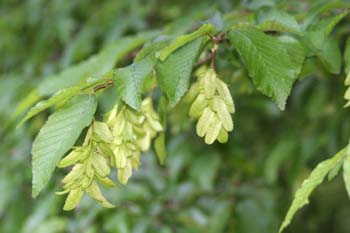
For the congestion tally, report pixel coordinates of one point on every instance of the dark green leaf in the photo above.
(281, 152)
(320, 7)
(330, 56)
(152, 48)
(267, 62)
(57, 136)
(274, 20)
(317, 35)
(296, 52)
(204, 169)
(326, 25)
(174, 73)
(182, 40)
(129, 81)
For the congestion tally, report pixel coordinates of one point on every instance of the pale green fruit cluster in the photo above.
(132, 134)
(347, 93)
(212, 106)
(91, 166)
(117, 143)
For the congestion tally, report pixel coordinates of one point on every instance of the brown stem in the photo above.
(104, 85)
(215, 40)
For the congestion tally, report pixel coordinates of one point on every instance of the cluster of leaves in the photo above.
(267, 44)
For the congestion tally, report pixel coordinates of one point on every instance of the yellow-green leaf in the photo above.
(316, 177)
(182, 40)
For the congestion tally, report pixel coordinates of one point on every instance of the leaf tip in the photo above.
(35, 192)
(282, 106)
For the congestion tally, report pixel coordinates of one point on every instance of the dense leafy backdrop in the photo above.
(245, 185)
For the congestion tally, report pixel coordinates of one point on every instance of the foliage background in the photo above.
(243, 186)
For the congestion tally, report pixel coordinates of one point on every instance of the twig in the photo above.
(104, 85)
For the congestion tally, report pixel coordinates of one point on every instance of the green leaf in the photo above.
(321, 7)
(346, 173)
(317, 35)
(283, 150)
(129, 81)
(335, 170)
(182, 40)
(257, 4)
(267, 62)
(347, 56)
(204, 169)
(316, 177)
(330, 23)
(330, 56)
(296, 52)
(274, 20)
(57, 136)
(26, 102)
(220, 216)
(322, 28)
(59, 98)
(175, 72)
(96, 65)
(160, 148)
(151, 49)
(62, 96)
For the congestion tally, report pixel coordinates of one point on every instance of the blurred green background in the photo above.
(244, 186)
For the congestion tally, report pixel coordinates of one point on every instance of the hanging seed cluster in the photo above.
(212, 106)
(117, 143)
(132, 134)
